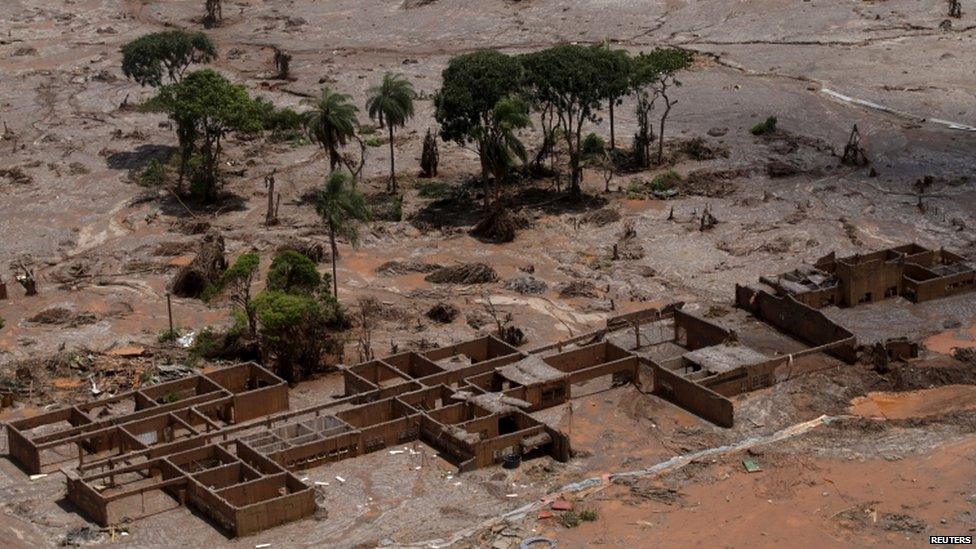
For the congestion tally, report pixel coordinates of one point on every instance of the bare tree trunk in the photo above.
(613, 140)
(660, 134)
(393, 181)
(335, 260)
(270, 218)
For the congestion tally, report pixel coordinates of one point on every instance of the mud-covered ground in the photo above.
(106, 249)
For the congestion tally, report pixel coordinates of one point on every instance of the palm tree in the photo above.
(339, 205)
(331, 122)
(498, 144)
(391, 103)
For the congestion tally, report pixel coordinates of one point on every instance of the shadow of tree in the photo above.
(140, 157)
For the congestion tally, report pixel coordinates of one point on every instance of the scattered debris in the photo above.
(445, 313)
(468, 273)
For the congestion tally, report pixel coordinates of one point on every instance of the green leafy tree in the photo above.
(391, 103)
(498, 142)
(572, 79)
(294, 331)
(237, 280)
(473, 84)
(293, 272)
(340, 206)
(653, 77)
(617, 68)
(331, 123)
(205, 107)
(149, 58)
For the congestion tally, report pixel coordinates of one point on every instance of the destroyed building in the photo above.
(911, 271)
(225, 443)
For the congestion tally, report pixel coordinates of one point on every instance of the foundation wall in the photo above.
(691, 396)
(697, 332)
(798, 320)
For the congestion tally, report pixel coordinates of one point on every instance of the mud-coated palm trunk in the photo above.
(393, 182)
(335, 259)
(613, 140)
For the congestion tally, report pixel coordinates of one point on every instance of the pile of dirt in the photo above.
(914, 376)
(698, 148)
(205, 269)
(780, 168)
(499, 226)
(62, 316)
(578, 288)
(192, 226)
(527, 285)
(397, 268)
(713, 183)
(309, 248)
(445, 313)
(169, 249)
(16, 176)
(601, 217)
(468, 273)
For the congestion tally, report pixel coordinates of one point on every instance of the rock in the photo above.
(717, 132)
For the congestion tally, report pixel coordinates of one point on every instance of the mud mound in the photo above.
(911, 377)
(192, 226)
(498, 226)
(700, 149)
(205, 269)
(310, 249)
(168, 249)
(527, 285)
(601, 217)
(397, 268)
(717, 183)
(469, 273)
(445, 313)
(578, 288)
(63, 317)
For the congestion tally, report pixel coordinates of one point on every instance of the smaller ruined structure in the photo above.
(911, 271)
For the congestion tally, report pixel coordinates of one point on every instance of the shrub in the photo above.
(293, 273)
(593, 145)
(373, 142)
(435, 189)
(168, 336)
(153, 175)
(293, 331)
(765, 127)
(665, 181)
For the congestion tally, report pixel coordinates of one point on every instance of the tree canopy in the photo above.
(149, 58)
(293, 272)
(340, 206)
(573, 79)
(207, 106)
(391, 103)
(473, 83)
(331, 123)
